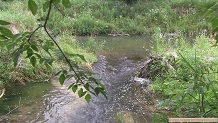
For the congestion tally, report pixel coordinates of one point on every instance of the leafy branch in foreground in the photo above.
(28, 44)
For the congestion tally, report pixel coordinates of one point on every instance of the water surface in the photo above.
(118, 60)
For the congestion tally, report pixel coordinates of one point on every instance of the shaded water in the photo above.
(134, 47)
(23, 103)
(119, 59)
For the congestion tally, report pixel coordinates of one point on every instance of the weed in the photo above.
(119, 117)
(190, 89)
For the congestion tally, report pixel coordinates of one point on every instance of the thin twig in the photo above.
(20, 101)
(11, 111)
(68, 61)
(46, 21)
(34, 33)
(44, 26)
(48, 14)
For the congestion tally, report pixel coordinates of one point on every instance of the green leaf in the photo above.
(62, 79)
(88, 98)
(34, 47)
(104, 93)
(74, 88)
(86, 86)
(71, 85)
(33, 61)
(48, 67)
(2, 22)
(66, 3)
(98, 90)
(214, 25)
(2, 44)
(58, 73)
(46, 48)
(29, 53)
(32, 6)
(11, 45)
(102, 85)
(81, 93)
(38, 55)
(65, 72)
(81, 57)
(15, 56)
(93, 80)
(6, 32)
(2, 37)
(41, 60)
(216, 37)
(56, 1)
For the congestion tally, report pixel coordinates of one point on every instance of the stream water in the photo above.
(119, 59)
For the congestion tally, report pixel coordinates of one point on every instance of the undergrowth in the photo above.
(22, 20)
(190, 87)
(100, 17)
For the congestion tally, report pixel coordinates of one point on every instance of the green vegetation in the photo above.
(187, 85)
(190, 87)
(24, 95)
(33, 41)
(119, 117)
(100, 17)
(30, 45)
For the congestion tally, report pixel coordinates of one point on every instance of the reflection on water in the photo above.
(135, 47)
(23, 103)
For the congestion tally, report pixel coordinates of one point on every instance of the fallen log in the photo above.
(157, 66)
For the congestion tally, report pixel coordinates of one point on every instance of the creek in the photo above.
(118, 60)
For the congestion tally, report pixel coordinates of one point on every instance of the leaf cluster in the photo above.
(30, 46)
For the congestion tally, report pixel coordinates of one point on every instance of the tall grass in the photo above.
(102, 17)
(190, 89)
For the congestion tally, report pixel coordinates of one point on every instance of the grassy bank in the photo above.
(187, 86)
(22, 20)
(100, 17)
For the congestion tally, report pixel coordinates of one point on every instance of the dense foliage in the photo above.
(39, 50)
(190, 87)
(100, 17)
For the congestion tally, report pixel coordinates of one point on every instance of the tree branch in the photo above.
(67, 60)
(44, 26)
(48, 14)
(34, 33)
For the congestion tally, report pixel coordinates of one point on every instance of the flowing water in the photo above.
(119, 59)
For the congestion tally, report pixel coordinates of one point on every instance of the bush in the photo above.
(191, 88)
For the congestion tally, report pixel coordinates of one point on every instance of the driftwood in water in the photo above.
(152, 68)
(157, 66)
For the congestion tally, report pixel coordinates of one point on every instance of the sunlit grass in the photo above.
(190, 88)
